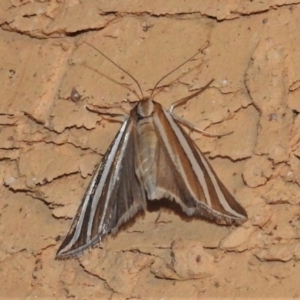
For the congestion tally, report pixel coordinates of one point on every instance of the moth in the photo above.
(150, 158)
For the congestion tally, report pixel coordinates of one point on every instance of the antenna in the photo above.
(159, 81)
(117, 67)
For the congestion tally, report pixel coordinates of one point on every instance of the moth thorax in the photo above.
(145, 108)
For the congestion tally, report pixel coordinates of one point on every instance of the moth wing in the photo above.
(185, 175)
(114, 196)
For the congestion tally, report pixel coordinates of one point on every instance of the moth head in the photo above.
(145, 108)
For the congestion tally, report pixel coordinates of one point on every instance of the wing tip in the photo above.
(206, 212)
(217, 217)
(76, 252)
(79, 251)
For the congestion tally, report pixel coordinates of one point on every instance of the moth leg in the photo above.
(97, 110)
(158, 217)
(188, 124)
(186, 99)
(194, 128)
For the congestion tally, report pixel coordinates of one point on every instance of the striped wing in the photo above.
(184, 175)
(113, 196)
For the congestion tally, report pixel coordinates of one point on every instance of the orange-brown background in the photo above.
(49, 145)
